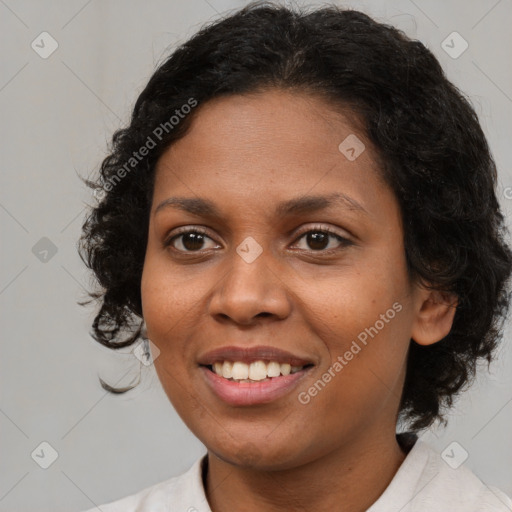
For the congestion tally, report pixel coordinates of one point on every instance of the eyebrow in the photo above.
(296, 206)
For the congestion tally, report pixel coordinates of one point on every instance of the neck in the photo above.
(353, 476)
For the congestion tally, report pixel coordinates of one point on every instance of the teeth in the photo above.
(285, 369)
(256, 371)
(273, 369)
(240, 371)
(227, 369)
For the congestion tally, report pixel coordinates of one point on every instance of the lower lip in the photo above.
(251, 393)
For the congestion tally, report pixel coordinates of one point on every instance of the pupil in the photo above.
(317, 237)
(192, 241)
(316, 240)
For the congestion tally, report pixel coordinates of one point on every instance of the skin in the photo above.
(246, 154)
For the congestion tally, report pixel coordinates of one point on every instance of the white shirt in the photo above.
(423, 483)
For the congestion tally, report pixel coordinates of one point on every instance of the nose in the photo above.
(250, 292)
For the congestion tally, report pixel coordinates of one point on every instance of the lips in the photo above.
(250, 354)
(247, 392)
(240, 394)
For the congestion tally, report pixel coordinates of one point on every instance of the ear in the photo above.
(434, 318)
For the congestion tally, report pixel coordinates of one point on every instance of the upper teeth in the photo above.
(258, 370)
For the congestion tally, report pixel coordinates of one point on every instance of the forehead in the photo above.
(265, 147)
(273, 119)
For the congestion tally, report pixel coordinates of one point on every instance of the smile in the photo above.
(238, 383)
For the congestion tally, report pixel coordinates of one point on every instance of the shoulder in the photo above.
(183, 492)
(427, 482)
(446, 484)
(460, 488)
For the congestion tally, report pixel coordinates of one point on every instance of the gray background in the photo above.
(57, 116)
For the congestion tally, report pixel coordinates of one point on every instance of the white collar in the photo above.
(423, 483)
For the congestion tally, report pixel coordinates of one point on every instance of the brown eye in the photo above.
(192, 240)
(317, 240)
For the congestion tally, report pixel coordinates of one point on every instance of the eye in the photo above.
(190, 240)
(318, 239)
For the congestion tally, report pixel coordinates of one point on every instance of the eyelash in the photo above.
(315, 229)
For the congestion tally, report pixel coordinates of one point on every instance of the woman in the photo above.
(301, 217)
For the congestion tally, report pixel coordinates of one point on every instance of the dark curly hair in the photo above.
(431, 150)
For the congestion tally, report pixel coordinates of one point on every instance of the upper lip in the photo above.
(250, 354)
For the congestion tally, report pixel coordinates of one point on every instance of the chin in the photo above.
(264, 457)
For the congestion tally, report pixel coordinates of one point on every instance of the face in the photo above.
(314, 280)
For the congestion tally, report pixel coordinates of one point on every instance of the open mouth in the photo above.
(258, 382)
(257, 371)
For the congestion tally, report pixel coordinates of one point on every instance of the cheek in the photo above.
(169, 307)
(173, 303)
(342, 303)
(361, 379)
(363, 320)
(163, 305)
(170, 296)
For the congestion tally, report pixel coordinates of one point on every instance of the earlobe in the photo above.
(434, 319)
